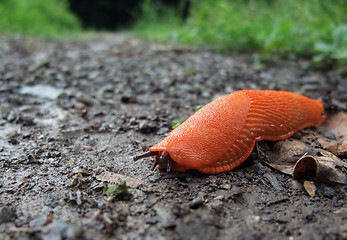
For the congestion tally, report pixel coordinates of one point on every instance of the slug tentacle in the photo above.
(145, 155)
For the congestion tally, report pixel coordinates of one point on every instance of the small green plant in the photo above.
(189, 72)
(117, 192)
(179, 121)
(199, 107)
(334, 51)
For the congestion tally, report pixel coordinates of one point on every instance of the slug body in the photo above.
(222, 134)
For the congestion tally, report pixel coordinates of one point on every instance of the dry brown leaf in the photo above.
(327, 171)
(328, 144)
(318, 168)
(321, 169)
(310, 188)
(289, 149)
(115, 178)
(286, 153)
(305, 167)
(336, 124)
(283, 168)
(334, 158)
(342, 148)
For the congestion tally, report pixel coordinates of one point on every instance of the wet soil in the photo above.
(74, 114)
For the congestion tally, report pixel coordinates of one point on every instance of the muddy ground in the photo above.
(73, 115)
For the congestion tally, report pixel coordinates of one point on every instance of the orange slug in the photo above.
(222, 134)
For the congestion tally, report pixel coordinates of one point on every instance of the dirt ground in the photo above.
(74, 114)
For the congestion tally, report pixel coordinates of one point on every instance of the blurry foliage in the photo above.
(37, 17)
(333, 52)
(159, 21)
(267, 27)
(263, 26)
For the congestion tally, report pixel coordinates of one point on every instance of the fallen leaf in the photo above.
(283, 168)
(327, 171)
(318, 168)
(305, 167)
(286, 153)
(321, 169)
(328, 144)
(289, 149)
(342, 148)
(310, 188)
(335, 125)
(115, 178)
(334, 158)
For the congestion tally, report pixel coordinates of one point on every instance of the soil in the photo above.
(74, 114)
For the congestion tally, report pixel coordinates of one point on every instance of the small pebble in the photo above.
(196, 203)
(226, 186)
(38, 221)
(152, 221)
(330, 135)
(296, 185)
(128, 99)
(88, 148)
(328, 192)
(7, 214)
(146, 127)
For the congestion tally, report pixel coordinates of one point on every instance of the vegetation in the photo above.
(315, 28)
(158, 22)
(333, 52)
(264, 26)
(117, 192)
(37, 17)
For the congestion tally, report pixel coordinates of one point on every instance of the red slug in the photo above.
(222, 134)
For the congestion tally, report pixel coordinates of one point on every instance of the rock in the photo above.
(39, 221)
(7, 214)
(58, 230)
(328, 192)
(146, 127)
(196, 203)
(128, 99)
(11, 116)
(41, 91)
(85, 99)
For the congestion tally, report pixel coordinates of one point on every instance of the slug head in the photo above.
(162, 159)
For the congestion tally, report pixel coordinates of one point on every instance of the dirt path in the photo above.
(74, 114)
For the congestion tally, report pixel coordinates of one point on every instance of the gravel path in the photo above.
(73, 114)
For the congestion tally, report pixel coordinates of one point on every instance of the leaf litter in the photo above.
(310, 164)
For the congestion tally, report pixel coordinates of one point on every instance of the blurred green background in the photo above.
(307, 28)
